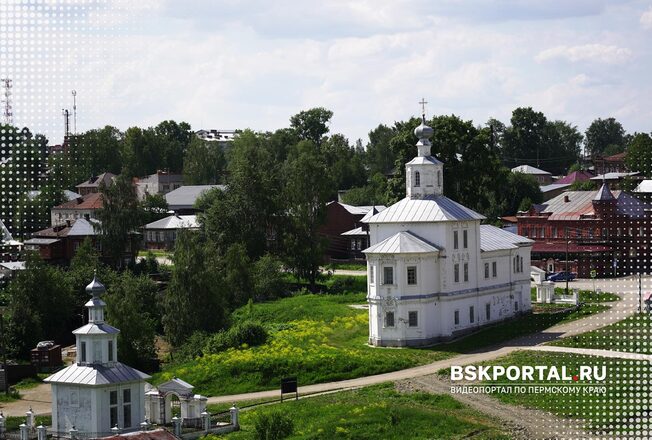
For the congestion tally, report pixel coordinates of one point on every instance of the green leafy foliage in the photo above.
(273, 425)
(605, 137)
(639, 154)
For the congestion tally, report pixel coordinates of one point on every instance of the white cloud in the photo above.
(646, 19)
(601, 53)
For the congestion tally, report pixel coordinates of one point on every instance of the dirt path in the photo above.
(520, 423)
(38, 398)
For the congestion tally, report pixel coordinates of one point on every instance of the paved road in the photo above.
(39, 397)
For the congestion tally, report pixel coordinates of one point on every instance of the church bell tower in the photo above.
(424, 173)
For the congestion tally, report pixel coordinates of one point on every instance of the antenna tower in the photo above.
(74, 111)
(8, 112)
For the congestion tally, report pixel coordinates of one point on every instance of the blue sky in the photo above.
(237, 64)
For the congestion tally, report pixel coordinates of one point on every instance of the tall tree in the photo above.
(120, 216)
(639, 154)
(203, 163)
(380, 158)
(605, 136)
(195, 298)
(131, 307)
(312, 125)
(307, 191)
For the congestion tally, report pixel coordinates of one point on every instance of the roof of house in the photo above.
(93, 328)
(41, 241)
(553, 187)
(421, 160)
(13, 265)
(403, 242)
(82, 227)
(6, 235)
(432, 208)
(528, 169)
(614, 176)
(185, 197)
(644, 187)
(67, 194)
(494, 239)
(89, 201)
(358, 210)
(95, 181)
(97, 375)
(576, 176)
(355, 232)
(615, 157)
(580, 204)
(174, 222)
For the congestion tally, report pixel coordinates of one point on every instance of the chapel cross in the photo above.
(423, 103)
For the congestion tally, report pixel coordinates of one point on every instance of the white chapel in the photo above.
(434, 272)
(97, 393)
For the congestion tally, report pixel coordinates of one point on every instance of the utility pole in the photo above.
(74, 111)
(66, 122)
(8, 111)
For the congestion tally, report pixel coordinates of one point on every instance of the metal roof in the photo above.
(644, 187)
(356, 231)
(613, 176)
(553, 186)
(432, 208)
(580, 203)
(528, 169)
(41, 241)
(83, 227)
(95, 329)
(13, 265)
(373, 211)
(358, 210)
(185, 197)
(403, 242)
(95, 181)
(97, 375)
(494, 239)
(604, 193)
(423, 160)
(174, 222)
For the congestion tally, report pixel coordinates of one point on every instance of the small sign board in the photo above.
(594, 273)
(289, 385)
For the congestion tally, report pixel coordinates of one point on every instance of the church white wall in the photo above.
(73, 406)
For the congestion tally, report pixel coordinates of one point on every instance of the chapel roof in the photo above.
(431, 208)
(494, 239)
(97, 374)
(403, 242)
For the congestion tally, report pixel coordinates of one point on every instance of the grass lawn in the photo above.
(586, 296)
(346, 266)
(320, 338)
(13, 423)
(156, 252)
(631, 334)
(378, 412)
(627, 390)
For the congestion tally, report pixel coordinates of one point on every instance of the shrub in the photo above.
(192, 348)
(347, 284)
(268, 278)
(251, 333)
(273, 426)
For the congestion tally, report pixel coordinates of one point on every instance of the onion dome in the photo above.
(95, 288)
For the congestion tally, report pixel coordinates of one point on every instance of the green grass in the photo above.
(586, 296)
(621, 385)
(346, 266)
(11, 397)
(12, 423)
(630, 335)
(155, 252)
(320, 338)
(28, 383)
(378, 412)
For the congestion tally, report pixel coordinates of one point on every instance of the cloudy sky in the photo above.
(235, 64)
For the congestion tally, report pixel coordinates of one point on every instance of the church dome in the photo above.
(423, 131)
(95, 288)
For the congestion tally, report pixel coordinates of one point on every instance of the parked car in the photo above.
(561, 276)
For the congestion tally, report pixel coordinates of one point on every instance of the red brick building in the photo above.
(590, 230)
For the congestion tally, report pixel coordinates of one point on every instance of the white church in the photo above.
(434, 272)
(97, 393)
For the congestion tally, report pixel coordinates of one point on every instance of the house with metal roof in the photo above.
(81, 207)
(162, 234)
(92, 185)
(183, 199)
(343, 232)
(434, 272)
(59, 243)
(581, 231)
(543, 177)
(97, 392)
(160, 182)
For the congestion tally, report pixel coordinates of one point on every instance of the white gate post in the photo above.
(42, 432)
(235, 416)
(23, 432)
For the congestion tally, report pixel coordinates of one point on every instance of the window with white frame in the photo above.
(371, 274)
(487, 311)
(486, 270)
(126, 408)
(389, 319)
(417, 179)
(471, 314)
(413, 319)
(456, 272)
(456, 317)
(466, 272)
(412, 275)
(455, 240)
(113, 407)
(388, 275)
(465, 239)
(494, 269)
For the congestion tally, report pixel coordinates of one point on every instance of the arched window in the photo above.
(417, 178)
